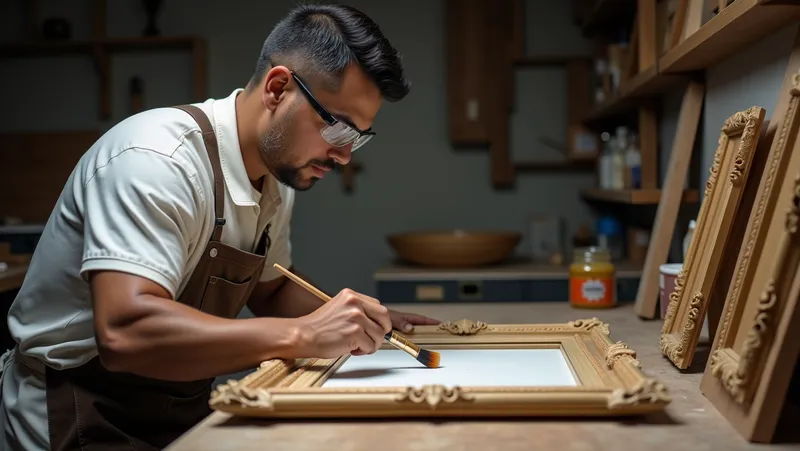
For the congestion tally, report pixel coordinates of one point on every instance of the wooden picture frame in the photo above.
(609, 380)
(695, 282)
(757, 343)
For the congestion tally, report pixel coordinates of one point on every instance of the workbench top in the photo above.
(513, 270)
(12, 277)
(690, 422)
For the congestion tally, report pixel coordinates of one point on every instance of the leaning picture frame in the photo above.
(602, 378)
(757, 344)
(695, 283)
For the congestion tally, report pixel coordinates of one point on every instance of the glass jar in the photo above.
(592, 279)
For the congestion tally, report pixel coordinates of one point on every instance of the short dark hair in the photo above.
(320, 41)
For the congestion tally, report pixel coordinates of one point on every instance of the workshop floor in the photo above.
(690, 422)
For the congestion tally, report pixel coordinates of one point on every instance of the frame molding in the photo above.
(745, 377)
(610, 380)
(694, 285)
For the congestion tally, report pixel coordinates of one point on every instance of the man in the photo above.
(170, 223)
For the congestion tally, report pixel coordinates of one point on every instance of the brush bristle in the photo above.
(429, 358)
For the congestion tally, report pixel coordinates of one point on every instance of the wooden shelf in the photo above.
(634, 196)
(609, 16)
(101, 49)
(646, 84)
(48, 48)
(549, 60)
(560, 166)
(738, 25)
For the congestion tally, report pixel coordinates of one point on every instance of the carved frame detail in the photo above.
(610, 380)
(695, 283)
(758, 339)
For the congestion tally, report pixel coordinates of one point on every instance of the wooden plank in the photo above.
(736, 26)
(500, 97)
(634, 196)
(679, 24)
(648, 39)
(694, 19)
(670, 201)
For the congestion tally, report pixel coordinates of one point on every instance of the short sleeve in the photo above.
(141, 211)
(280, 250)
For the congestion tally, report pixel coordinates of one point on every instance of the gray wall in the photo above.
(413, 178)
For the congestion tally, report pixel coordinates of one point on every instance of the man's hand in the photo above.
(405, 322)
(350, 323)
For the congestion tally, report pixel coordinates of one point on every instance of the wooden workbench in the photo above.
(690, 421)
(12, 277)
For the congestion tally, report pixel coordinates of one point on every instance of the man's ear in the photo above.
(276, 87)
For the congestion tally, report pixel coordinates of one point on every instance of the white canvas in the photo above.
(463, 367)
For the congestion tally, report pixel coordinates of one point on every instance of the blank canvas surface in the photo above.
(464, 367)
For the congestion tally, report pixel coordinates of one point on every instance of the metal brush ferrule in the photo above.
(403, 343)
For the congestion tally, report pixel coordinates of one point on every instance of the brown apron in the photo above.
(91, 408)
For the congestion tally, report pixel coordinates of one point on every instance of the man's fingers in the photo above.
(379, 314)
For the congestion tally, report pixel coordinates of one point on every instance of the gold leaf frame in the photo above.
(610, 380)
(695, 282)
(744, 376)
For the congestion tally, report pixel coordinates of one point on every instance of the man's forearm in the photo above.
(290, 300)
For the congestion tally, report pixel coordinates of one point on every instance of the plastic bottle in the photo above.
(605, 162)
(633, 162)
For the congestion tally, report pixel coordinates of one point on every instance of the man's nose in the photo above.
(341, 155)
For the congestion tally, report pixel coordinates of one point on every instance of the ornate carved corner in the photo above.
(237, 392)
(673, 348)
(463, 327)
(433, 395)
(587, 325)
(674, 299)
(735, 372)
(647, 391)
(619, 350)
(743, 122)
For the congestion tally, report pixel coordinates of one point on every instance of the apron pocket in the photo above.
(224, 298)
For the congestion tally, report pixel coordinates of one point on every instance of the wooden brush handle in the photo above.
(302, 282)
(314, 290)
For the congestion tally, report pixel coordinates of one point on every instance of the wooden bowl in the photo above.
(454, 248)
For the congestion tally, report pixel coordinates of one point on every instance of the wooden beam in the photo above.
(670, 200)
(648, 40)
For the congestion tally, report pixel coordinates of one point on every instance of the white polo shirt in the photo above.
(141, 201)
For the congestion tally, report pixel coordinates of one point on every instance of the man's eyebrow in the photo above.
(346, 119)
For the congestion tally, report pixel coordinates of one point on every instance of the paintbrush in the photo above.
(428, 358)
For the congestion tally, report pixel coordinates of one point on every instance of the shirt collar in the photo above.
(230, 155)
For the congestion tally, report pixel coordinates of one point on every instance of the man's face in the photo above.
(293, 147)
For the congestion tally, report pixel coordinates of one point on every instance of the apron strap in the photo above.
(210, 140)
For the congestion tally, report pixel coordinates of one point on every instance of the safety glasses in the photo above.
(336, 132)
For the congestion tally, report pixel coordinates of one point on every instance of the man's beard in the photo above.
(275, 148)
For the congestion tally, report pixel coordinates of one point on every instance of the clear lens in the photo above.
(339, 134)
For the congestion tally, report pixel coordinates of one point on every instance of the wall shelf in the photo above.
(552, 166)
(100, 49)
(740, 23)
(57, 48)
(648, 83)
(634, 196)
